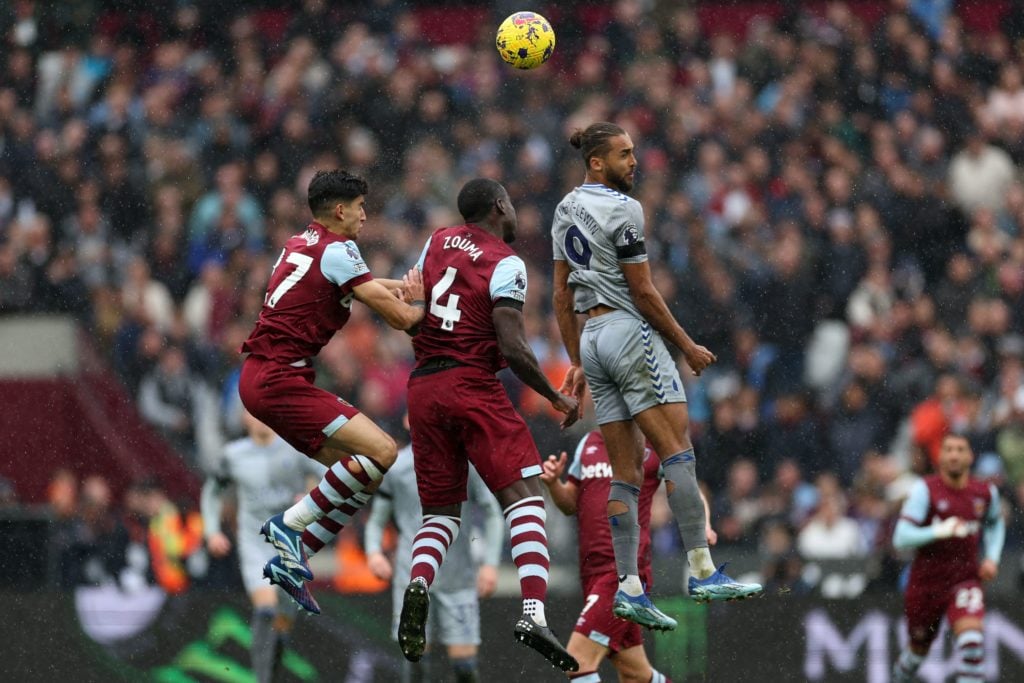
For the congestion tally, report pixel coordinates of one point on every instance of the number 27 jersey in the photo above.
(308, 297)
(466, 270)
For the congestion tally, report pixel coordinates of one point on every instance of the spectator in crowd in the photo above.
(830, 534)
(829, 170)
(172, 398)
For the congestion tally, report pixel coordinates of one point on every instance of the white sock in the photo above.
(906, 666)
(535, 608)
(700, 563)
(630, 585)
(301, 515)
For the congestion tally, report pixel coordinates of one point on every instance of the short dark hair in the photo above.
(477, 197)
(329, 187)
(593, 140)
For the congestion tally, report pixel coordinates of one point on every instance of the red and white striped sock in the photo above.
(436, 535)
(970, 650)
(341, 482)
(321, 532)
(526, 519)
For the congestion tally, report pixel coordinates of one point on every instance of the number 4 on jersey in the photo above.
(449, 313)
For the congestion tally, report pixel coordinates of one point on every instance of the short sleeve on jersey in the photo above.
(508, 281)
(423, 255)
(915, 507)
(628, 234)
(343, 265)
(576, 467)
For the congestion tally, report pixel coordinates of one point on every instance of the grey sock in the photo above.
(625, 529)
(681, 470)
(417, 672)
(264, 644)
(465, 670)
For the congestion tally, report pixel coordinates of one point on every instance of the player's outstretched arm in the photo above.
(653, 308)
(373, 535)
(396, 312)
(569, 327)
(563, 493)
(511, 334)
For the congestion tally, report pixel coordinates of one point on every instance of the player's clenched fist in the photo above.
(567, 405)
(698, 358)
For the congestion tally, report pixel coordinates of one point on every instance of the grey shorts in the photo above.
(627, 366)
(454, 616)
(253, 553)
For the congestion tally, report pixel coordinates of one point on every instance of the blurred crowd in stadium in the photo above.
(833, 206)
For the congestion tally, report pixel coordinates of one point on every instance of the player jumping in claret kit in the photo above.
(319, 273)
(601, 270)
(946, 517)
(266, 474)
(599, 633)
(459, 411)
(455, 620)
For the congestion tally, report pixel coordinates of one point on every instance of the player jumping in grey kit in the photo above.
(601, 270)
(267, 475)
(455, 618)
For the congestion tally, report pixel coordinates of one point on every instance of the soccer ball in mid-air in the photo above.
(525, 40)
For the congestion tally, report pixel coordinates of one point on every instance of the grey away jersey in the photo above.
(399, 488)
(267, 479)
(595, 229)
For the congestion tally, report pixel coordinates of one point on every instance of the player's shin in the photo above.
(264, 643)
(465, 670)
(906, 666)
(324, 530)
(526, 521)
(626, 535)
(343, 480)
(436, 535)
(688, 510)
(417, 672)
(970, 655)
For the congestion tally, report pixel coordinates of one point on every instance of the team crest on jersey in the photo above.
(311, 236)
(631, 234)
(979, 507)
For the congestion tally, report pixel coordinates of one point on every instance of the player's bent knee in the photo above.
(386, 452)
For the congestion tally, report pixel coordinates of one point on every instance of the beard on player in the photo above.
(623, 182)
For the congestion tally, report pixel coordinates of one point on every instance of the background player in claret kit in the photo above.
(599, 633)
(455, 620)
(311, 289)
(459, 411)
(266, 474)
(601, 269)
(945, 517)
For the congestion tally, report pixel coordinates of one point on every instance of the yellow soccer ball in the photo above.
(525, 40)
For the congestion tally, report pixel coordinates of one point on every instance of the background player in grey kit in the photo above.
(601, 270)
(455, 619)
(267, 474)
